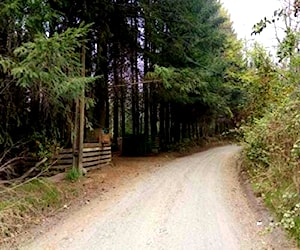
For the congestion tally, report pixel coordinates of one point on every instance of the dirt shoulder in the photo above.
(239, 186)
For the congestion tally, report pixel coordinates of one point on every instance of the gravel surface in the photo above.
(193, 202)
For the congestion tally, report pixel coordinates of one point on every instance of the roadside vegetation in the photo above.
(271, 134)
(26, 204)
(272, 158)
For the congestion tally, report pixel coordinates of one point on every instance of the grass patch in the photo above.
(27, 204)
(73, 174)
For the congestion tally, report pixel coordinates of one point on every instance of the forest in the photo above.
(148, 70)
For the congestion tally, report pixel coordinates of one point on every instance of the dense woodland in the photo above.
(149, 69)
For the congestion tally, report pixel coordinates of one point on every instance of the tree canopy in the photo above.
(125, 41)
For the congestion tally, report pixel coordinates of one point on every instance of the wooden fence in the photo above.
(94, 155)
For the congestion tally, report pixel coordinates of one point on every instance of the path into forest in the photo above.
(193, 202)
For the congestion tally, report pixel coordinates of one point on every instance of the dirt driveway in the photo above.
(193, 202)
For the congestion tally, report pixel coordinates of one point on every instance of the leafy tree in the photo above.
(127, 39)
(49, 69)
(19, 22)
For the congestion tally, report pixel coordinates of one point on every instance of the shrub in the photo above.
(272, 153)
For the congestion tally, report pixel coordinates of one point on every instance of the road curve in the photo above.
(193, 202)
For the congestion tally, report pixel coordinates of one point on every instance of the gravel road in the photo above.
(193, 202)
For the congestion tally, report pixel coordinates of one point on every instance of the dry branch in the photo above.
(26, 174)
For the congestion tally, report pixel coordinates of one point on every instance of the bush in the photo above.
(272, 153)
(73, 174)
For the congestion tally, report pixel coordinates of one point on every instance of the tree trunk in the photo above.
(137, 99)
(168, 121)
(162, 135)
(134, 112)
(101, 90)
(153, 112)
(116, 104)
(123, 108)
(146, 111)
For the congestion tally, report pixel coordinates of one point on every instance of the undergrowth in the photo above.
(272, 158)
(27, 204)
(188, 146)
(73, 174)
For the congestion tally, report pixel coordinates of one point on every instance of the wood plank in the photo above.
(91, 145)
(105, 155)
(63, 156)
(93, 163)
(105, 151)
(70, 151)
(88, 147)
(89, 154)
(106, 148)
(88, 159)
(64, 161)
(91, 149)
(109, 154)
(96, 167)
(106, 159)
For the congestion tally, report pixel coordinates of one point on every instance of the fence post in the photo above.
(79, 123)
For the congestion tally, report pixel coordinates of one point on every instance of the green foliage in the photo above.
(24, 204)
(51, 65)
(46, 194)
(272, 150)
(288, 45)
(26, 17)
(191, 64)
(49, 71)
(288, 211)
(280, 125)
(73, 174)
(272, 135)
(41, 68)
(261, 84)
(287, 15)
(186, 32)
(192, 86)
(42, 146)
